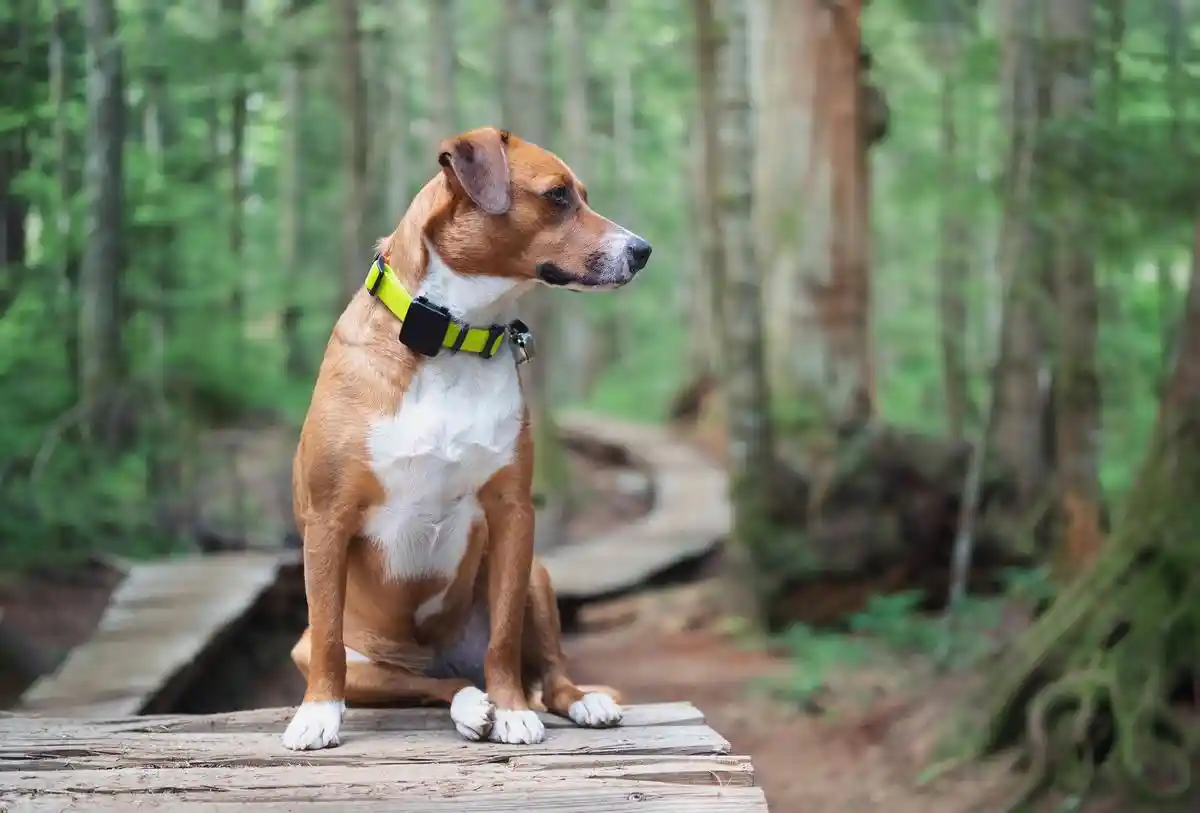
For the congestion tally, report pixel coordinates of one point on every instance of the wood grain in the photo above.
(404, 760)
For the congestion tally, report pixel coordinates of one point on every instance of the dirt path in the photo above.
(849, 757)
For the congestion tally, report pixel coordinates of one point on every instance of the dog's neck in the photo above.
(477, 299)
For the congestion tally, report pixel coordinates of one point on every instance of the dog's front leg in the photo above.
(318, 721)
(508, 508)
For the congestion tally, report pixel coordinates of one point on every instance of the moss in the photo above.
(1090, 682)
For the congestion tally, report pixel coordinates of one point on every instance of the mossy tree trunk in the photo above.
(1091, 681)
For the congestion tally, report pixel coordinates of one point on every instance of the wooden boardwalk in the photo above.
(689, 518)
(159, 621)
(664, 759)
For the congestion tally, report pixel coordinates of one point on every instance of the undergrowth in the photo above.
(893, 627)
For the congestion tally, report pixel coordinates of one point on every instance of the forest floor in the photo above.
(859, 743)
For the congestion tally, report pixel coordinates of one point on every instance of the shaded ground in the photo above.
(44, 613)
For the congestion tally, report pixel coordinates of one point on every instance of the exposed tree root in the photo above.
(1092, 681)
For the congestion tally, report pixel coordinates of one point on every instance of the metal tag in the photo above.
(523, 344)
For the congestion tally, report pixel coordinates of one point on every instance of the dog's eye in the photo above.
(559, 195)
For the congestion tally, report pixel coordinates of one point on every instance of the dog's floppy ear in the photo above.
(476, 164)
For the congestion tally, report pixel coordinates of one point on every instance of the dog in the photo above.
(412, 476)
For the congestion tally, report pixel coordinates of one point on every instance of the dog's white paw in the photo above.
(595, 710)
(518, 727)
(316, 724)
(472, 713)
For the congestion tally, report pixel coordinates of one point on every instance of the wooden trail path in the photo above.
(690, 516)
(159, 621)
(663, 759)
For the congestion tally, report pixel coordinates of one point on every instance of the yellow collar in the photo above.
(427, 328)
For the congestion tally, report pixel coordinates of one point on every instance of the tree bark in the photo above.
(233, 27)
(100, 358)
(815, 242)
(745, 382)
(443, 69)
(356, 253)
(291, 192)
(63, 21)
(708, 39)
(1077, 394)
(1018, 435)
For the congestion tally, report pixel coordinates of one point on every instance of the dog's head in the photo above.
(517, 211)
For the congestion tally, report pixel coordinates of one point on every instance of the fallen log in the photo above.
(874, 513)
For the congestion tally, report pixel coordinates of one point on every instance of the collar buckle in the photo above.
(523, 344)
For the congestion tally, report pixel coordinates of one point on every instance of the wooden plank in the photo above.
(622, 798)
(519, 774)
(161, 617)
(357, 720)
(50, 751)
(691, 514)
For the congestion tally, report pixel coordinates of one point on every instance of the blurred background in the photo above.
(920, 276)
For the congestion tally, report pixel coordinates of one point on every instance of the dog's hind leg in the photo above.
(545, 663)
(384, 684)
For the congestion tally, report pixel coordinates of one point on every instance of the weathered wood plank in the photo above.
(357, 720)
(158, 621)
(690, 516)
(52, 751)
(290, 781)
(621, 798)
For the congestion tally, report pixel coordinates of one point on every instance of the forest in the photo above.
(926, 281)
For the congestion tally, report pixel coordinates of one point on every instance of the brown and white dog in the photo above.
(412, 477)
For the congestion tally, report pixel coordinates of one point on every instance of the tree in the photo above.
(1077, 395)
(443, 68)
(751, 454)
(816, 244)
(1017, 432)
(355, 248)
(1102, 662)
(291, 184)
(100, 352)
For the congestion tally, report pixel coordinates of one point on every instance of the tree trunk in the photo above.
(811, 209)
(526, 112)
(1077, 391)
(1018, 435)
(100, 359)
(291, 194)
(745, 383)
(356, 253)
(15, 154)
(572, 361)
(398, 42)
(233, 27)
(708, 38)
(64, 19)
(1091, 680)
(443, 70)
(954, 238)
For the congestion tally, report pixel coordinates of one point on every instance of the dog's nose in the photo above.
(639, 253)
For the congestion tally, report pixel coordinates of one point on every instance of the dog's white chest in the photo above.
(457, 425)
